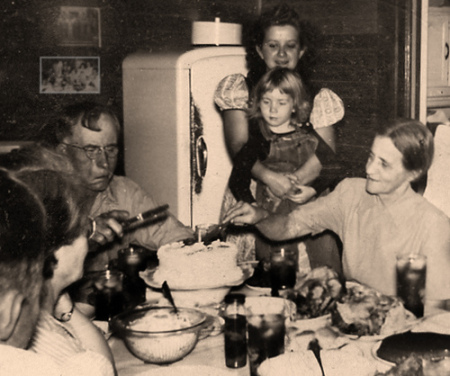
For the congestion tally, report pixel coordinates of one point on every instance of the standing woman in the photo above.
(280, 40)
(377, 218)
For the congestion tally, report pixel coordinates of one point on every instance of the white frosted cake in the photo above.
(198, 264)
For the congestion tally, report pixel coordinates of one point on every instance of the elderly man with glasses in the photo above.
(87, 134)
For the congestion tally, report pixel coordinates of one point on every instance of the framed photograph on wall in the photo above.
(78, 26)
(69, 75)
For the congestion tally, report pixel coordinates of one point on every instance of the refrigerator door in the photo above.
(212, 164)
(173, 132)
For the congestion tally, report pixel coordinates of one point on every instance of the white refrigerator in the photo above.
(173, 132)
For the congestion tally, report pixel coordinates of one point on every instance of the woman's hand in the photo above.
(301, 194)
(279, 184)
(243, 213)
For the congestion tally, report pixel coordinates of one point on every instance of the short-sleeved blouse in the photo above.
(232, 93)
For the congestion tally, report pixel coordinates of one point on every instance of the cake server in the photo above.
(215, 232)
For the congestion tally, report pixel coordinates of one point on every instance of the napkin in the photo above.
(338, 362)
(291, 364)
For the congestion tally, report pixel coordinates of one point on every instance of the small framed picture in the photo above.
(78, 26)
(69, 75)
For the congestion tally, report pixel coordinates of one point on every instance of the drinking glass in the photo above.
(266, 333)
(132, 260)
(411, 276)
(283, 267)
(108, 296)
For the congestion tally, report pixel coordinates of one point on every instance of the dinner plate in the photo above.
(262, 290)
(410, 321)
(374, 350)
(312, 324)
(213, 326)
(197, 370)
(423, 344)
(149, 279)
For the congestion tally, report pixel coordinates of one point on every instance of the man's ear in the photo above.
(414, 175)
(10, 309)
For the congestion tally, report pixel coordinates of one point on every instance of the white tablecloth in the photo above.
(208, 352)
(208, 355)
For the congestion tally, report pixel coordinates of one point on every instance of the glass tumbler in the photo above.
(411, 276)
(108, 296)
(283, 267)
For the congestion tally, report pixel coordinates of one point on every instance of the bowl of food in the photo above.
(159, 334)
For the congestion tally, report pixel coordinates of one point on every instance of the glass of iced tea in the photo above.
(283, 267)
(411, 276)
(266, 331)
(108, 296)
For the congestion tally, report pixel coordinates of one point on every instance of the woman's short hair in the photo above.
(22, 229)
(413, 140)
(288, 82)
(66, 219)
(280, 15)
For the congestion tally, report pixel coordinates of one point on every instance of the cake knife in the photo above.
(151, 215)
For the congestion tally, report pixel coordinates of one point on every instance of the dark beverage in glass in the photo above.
(411, 276)
(235, 341)
(265, 338)
(283, 268)
(235, 330)
(108, 296)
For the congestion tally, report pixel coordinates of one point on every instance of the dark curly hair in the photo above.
(61, 125)
(280, 15)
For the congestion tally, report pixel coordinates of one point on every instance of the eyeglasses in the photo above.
(93, 152)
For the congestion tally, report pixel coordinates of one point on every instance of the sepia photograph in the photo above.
(79, 26)
(240, 188)
(70, 75)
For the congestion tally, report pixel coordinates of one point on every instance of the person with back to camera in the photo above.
(279, 39)
(63, 333)
(285, 142)
(22, 226)
(88, 135)
(377, 218)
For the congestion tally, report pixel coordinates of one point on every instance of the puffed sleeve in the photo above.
(327, 110)
(232, 93)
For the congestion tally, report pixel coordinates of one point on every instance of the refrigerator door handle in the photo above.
(201, 153)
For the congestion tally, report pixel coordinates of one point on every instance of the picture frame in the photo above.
(69, 75)
(78, 26)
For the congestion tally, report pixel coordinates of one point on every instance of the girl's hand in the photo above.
(243, 213)
(301, 194)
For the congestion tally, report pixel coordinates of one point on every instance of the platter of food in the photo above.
(317, 293)
(366, 314)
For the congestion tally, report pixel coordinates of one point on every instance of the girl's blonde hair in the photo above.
(289, 83)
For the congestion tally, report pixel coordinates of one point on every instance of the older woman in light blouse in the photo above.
(376, 218)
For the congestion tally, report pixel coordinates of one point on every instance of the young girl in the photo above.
(282, 141)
